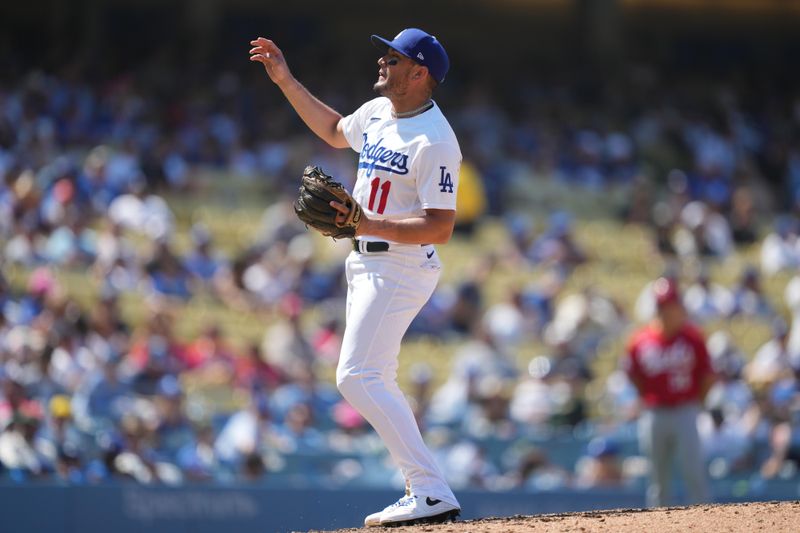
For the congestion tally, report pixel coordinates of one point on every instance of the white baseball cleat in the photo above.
(410, 510)
(373, 520)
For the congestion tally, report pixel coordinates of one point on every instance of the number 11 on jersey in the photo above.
(384, 187)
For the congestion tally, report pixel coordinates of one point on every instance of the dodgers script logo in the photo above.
(376, 156)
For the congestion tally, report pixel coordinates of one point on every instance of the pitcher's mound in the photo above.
(744, 517)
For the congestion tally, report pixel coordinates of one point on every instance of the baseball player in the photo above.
(406, 184)
(669, 365)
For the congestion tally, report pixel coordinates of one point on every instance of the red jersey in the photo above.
(670, 370)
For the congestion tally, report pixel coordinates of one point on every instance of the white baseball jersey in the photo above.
(405, 165)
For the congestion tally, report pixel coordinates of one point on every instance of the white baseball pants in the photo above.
(385, 292)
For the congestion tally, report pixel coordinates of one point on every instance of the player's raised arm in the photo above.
(319, 117)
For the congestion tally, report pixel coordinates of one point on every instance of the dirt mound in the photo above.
(745, 517)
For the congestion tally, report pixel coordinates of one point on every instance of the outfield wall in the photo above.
(207, 509)
(139, 509)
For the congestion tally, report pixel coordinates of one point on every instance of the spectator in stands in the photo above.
(466, 466)
(299, 431)
(327, 341)
(108, 333)
(69, 467)
(556, 247)
(43, 384)
(252, 468)
(248, 431)
(71, 244)
(201, 262)
(173, 431)
(773, 360)
(744, 225)
(535, 471)
(198, 458)
(779, 249)
(730, 393)
(723, 441)
(467, 306)
(705, 300)
(485, 356)
(60, 440)
(749, 299)
(144, 213)
(167, 276)
(567, 375)
(601, 466)
(154, 352)
(271, 276)
(488, 414)
(478, 358)
(421, 377)
(784, 437)
(92, 183)
(668, 363)
(303, 386)
(15, 400)
(210, 352)
(703, 232)
(584, 320)
(621, 399)
(510, 323)
(532, 403)
(103, 396)
(23, 247)
(137, 459)
(253, 372)
(663, 229)
(116, 262)
(792, 299)
(18, 452)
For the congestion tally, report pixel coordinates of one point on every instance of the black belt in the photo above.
(366, 246)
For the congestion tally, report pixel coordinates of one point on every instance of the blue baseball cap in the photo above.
(420, 46)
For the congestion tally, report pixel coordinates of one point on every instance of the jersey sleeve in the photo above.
(354, 125)
(437, 180)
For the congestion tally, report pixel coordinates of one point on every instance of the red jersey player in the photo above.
(668, 363)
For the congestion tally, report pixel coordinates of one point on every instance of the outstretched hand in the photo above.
(268, 54)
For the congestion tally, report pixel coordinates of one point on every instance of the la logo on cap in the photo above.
(420, 56)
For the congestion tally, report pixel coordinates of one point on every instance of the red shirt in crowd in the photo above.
(669, 371)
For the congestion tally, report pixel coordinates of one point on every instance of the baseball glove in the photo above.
(313, 207)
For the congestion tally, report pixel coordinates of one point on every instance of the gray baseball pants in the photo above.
(668, 436)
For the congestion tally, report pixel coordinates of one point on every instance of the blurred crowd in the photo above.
(87, 395)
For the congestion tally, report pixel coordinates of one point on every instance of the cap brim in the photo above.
(384, 44)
